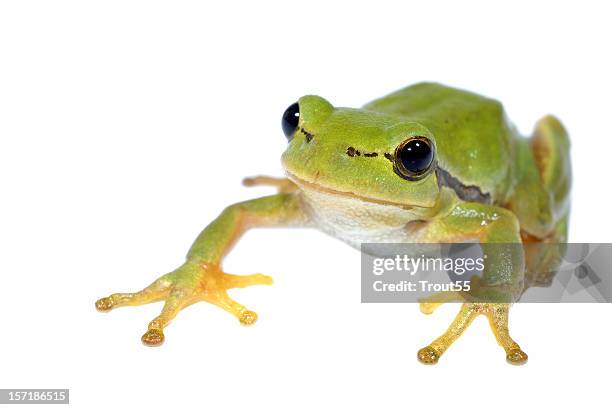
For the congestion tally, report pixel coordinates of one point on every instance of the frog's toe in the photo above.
(158, 290)
(104, 304)
(242, 281)
(516, 356)
(153, 337)
(247, 318)
(430, 303)
(428, 307)
(428, 355)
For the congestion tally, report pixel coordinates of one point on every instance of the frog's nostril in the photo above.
(352, 152)
(309, 136)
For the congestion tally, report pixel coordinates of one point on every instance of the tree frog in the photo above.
(427, 163)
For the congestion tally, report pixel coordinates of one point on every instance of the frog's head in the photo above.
(373, 156)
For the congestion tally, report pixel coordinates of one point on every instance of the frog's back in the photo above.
(474, 141)
(480, 150)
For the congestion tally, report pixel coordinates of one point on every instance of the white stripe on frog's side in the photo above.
(356, 221)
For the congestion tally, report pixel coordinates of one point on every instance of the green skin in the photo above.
(496, 187)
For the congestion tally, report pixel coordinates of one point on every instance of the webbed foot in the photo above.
(497, 313)
(192, 282)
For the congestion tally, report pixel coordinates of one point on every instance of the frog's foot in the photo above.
(192, 282)
(283, 185)
(497, 313)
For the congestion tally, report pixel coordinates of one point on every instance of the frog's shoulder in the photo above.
(474, 140)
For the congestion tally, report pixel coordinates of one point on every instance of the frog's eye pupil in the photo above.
(291, 119)
(413, 157)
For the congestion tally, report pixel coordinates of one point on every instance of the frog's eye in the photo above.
(413, 158)
(291, 119)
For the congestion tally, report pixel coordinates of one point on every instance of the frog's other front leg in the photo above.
(201, 278)
(284, 185)
(498, 231)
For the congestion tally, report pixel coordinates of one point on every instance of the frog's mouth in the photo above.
(313, 186)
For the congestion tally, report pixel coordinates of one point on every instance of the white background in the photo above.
(125, 127)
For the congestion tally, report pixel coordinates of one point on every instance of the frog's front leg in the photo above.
(200, 278)
(283, 185)
(498, 231)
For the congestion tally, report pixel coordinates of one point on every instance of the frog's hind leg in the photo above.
(551, 149)
(431, 354)
(497, 314)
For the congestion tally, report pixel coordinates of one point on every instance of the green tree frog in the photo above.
(427, 163)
